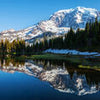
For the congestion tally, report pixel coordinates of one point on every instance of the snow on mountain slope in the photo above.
(59, 23)
(74, 17)
(10, 30)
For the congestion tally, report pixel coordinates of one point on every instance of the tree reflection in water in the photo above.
(63, 76)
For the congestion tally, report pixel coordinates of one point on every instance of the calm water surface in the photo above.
(47, 80)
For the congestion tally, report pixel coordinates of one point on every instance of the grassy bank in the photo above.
(72, 58)
(81, 61)
(90, 67)
(90, 63)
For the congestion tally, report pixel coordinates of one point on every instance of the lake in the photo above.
(47, 80)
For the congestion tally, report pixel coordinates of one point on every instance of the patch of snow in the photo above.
(73, 52)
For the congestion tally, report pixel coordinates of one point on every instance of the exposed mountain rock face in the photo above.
(59, 23)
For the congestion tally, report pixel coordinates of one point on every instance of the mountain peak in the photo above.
(10, 30)
(79, 8)
(59, 23)
(75, 18)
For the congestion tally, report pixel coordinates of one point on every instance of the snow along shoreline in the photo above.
(72, 52)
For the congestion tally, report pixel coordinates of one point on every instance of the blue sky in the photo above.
(19, 14)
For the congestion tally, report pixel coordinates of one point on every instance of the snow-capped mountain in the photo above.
(74, 17)
(59, 23)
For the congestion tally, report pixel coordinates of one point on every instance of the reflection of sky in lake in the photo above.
(66, 80)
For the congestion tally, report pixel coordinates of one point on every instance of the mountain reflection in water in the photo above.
(62, 76)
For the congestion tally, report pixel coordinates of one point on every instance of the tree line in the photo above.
(87, 39)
